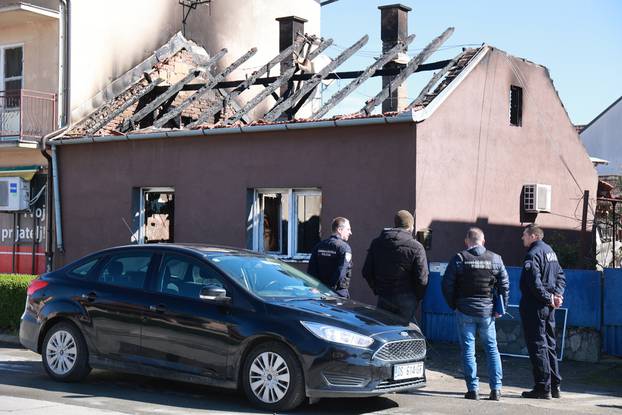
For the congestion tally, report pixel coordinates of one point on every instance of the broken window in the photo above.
(157, 213)
(286, 222)
(516, 105)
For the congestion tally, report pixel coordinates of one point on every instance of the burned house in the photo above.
(177, 157)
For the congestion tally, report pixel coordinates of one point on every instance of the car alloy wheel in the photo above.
(269, 377)
(61, 352)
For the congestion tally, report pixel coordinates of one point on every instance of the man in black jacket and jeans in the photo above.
(396, 268)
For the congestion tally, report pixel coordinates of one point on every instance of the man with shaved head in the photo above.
(469, 283)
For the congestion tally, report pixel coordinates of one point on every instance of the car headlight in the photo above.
(337, 335)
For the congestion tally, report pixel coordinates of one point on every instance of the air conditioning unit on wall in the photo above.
(14, 194)
(537, 198)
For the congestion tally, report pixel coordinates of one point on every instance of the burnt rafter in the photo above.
(231, 96)
(285, 104)
(433, 81)
(260, 97)
(408, 70)
(367, 73)
(129, 124)
(281, 80)
(135, 97)
(174, 112)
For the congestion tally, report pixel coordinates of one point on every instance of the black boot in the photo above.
(556, 392)
(495, 395)
(474, 395)
(536, 394)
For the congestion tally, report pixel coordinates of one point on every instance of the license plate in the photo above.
(408, 370)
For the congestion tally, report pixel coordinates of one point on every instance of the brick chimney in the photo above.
(394, 28)
(289, 27)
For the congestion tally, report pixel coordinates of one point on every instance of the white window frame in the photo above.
(292, 220)
(13, 78)
(141, 209)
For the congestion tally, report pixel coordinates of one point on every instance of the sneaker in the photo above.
(536, 394)
(495, 395)
(473, 395)
(556, 392)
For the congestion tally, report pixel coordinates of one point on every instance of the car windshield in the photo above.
(271, 278)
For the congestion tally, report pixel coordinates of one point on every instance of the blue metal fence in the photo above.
(612, 312)
(587, 307)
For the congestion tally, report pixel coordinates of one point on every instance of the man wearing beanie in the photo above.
(396, 268)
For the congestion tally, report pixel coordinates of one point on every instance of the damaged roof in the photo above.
(178, 88)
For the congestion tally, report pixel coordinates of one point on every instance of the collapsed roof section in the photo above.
(178, 88)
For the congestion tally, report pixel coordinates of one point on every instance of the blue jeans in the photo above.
(468, 327)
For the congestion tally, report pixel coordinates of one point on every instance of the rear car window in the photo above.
(126, 270)
(82, 271)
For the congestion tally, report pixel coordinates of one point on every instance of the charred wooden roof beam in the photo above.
(289, 102)
(130, 123)
(410, 68)
(244, 85)
(367, 73)
(433, 81)
(174, 112)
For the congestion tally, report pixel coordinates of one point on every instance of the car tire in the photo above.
(272, 377)
(64, 352)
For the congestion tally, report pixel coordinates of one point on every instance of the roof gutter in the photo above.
(404, 117)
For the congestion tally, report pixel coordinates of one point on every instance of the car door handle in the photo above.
(157, 308)
(90, 297)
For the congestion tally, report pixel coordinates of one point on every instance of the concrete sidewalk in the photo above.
(603, 378)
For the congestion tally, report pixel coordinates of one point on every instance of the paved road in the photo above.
(26, 389)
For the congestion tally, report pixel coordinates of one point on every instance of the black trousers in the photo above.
(539, 330)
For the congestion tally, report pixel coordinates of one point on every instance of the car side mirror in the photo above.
(215, 294)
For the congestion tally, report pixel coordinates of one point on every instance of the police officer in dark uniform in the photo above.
(331, 259)
(542, 284)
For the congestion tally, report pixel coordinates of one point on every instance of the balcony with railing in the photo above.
(25, 115)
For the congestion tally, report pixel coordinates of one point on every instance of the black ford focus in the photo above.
(217, 316)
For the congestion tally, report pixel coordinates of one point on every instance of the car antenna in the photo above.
(132, 237)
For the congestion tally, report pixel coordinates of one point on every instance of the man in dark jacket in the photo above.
(396, 268)
(542, 284)
(331, 259)
(469, 283)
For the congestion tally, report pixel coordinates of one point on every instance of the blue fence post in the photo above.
(612, 312)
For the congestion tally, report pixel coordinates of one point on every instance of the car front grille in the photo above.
(397, 351)
(337, 379)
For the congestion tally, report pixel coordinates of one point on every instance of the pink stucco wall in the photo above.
(472, 164)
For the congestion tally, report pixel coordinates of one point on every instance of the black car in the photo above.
(217, 316)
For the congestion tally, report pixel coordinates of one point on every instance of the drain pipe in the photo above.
(64, 51)
(49, 249)
(57, 221)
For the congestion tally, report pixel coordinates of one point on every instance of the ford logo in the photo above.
(404, 333)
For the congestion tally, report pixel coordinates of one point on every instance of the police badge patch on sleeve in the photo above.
(348, 256)
(527, 265)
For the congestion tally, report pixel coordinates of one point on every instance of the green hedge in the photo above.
(12, 299)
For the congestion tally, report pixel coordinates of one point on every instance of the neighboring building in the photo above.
(602, 138)
(57, 61)
(490, 144)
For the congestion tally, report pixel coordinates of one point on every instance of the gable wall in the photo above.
(472, 164)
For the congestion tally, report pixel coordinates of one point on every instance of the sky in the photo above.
(580, 42)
